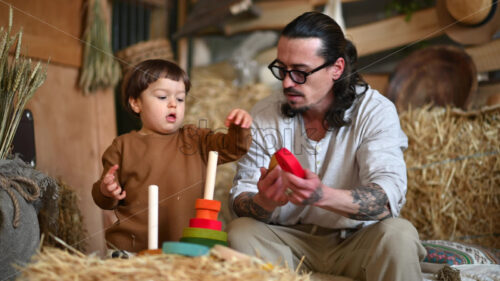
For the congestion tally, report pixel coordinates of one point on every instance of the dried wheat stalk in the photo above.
(18, 83)
(100, 70)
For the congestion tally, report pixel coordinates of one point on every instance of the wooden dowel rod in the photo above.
(153, 217)
(211, 171)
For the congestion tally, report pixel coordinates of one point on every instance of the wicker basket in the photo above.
(152, 49)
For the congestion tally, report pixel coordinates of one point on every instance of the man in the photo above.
(342, 217)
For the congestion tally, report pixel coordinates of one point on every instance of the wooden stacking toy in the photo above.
(204, 230)
(287, 162)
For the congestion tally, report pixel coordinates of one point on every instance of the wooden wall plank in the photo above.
(71, 133)
(46, 33)
(71, 130)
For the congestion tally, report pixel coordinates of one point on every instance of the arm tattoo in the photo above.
(315, 196)
(244, 206)
(372, 201)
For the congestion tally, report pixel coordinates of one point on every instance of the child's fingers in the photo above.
(122, 195)
(112, 187)
(116, 191)
(247, 121)
(112, 170)
(231, 114)
(238, 117)
(109, 177)
(229, 118)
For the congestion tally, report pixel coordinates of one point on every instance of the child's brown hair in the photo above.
(146, 72)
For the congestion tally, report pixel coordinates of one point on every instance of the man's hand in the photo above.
(307, 191)
(109, 185)
(261, 205)
(271, 190)
(238, 117)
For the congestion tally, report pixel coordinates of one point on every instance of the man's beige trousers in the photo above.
(389, 250)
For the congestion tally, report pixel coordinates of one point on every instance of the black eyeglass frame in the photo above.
(304, 73)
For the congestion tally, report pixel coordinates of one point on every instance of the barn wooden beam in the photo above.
(274, 16)
(369, 38)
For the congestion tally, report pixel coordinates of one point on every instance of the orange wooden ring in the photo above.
(150, 252)
(205, 223)
(207, 204)
(206, 214)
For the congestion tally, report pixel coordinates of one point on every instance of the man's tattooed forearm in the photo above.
(315, 196)
(244, 206)
(372, 201)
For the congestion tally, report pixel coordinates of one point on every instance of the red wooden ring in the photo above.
(289, 163)
(205, 223)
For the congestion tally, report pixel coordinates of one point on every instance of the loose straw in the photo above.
(211, 171)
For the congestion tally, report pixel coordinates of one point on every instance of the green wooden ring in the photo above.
(203, 241)
(195, 232)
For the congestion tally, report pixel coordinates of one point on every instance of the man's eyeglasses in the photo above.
(297, 76)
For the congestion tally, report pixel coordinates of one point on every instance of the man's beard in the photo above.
(289, 105)
(295, 110)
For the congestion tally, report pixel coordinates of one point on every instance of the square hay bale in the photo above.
(453, 162)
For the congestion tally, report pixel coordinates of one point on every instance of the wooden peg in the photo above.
(211, 172)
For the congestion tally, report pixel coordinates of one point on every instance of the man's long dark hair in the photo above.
(334, 46)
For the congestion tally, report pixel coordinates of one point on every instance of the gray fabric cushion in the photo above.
(17, 245)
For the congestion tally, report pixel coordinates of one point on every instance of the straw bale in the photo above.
(212, 96)
(56, 264)
(453, 162)
(70, 221)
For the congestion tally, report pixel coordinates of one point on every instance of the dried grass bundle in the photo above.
(56, 264)
(70, 226)
(18, 83)
(453, 163)
(99, 70)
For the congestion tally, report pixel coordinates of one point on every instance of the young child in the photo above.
(162, 152)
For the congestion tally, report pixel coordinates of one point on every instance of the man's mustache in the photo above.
(292, 91)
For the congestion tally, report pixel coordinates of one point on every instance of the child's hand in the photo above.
(239, 117)
(110, 186)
